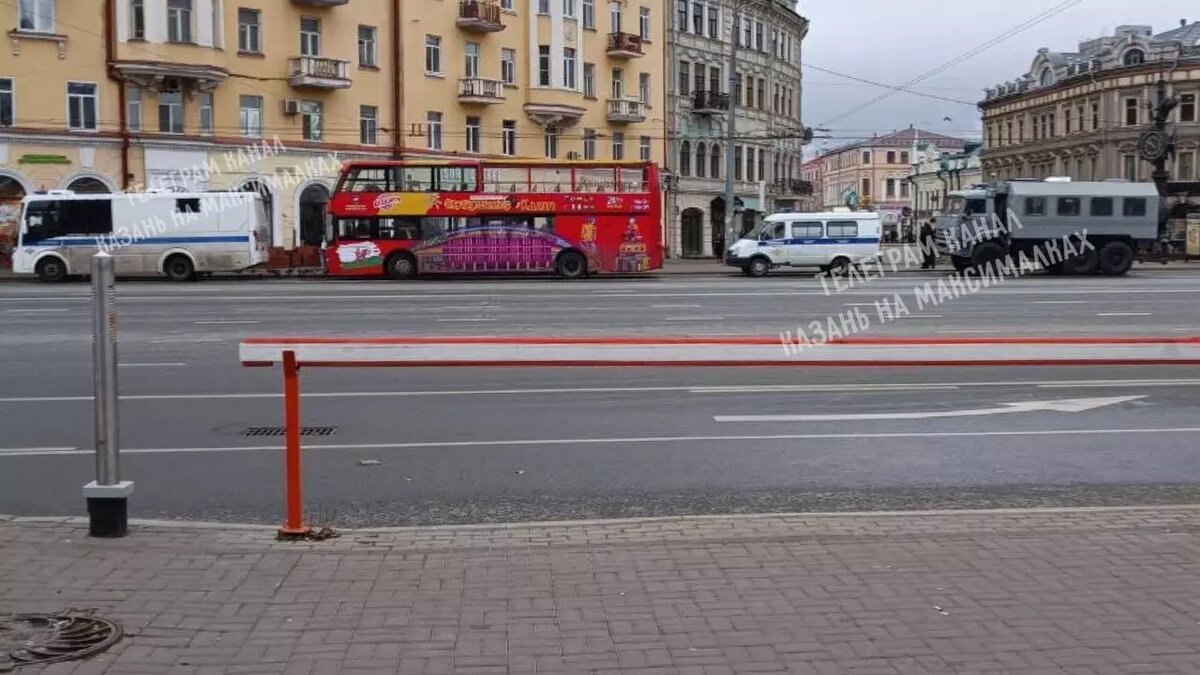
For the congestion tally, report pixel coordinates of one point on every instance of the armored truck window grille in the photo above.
(191, 205)
(1069, 206)
(1134, 208)
(811, 230)
(1101, 207)
(842, 229)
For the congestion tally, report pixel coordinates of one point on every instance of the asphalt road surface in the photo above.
(472, 445)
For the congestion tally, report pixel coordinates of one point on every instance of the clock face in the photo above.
(1152, 146)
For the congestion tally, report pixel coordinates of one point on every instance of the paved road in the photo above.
(469, 445)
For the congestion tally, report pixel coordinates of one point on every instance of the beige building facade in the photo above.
(272, 95)
(1079, 114)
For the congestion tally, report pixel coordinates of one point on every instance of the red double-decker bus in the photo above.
(406, 218)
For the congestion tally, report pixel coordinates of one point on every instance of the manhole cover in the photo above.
(280, 431)
(36, 639)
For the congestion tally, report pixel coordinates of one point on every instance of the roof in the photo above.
(1189, 35)
(905, 138)
(1083, 189)
(823, 215)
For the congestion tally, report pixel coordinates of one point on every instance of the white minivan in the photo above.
(831, 242)
(177, 234)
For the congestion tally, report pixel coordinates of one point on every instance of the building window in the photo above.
(1095, 116)
(618, 145)
(1134, 57)
(544, 65)
(433, 120)
(367, 47)
(701, 160)
(506, 4)
(206, 112)
(36, 15)
(543, 6)
(714, 165)
(618, 84)
(1187, 108)
(685, 159)
(890, 188)
(170, 112)
(569, 8)
(737, 162)
(474, 137)
(471, 56)
(758, 35)
(904, 157)
(137, 19)
(589, 80)
(133, 108)
(589, 144)
(250, 119)
(697, 18)
(866, 188)
(250, 30)
(179, 20)
(762, 164)
(644, 148)
(866, 157)
(550, 141)
(433, 55)
(749, 91)
(589, 14)
(1131, 112)
(891, 157)
(368, 125)
(569, 67)
(750, 152)
(508, 65)
(714, 21)
(714, 79)
(81, 106)
(747, 32)
(685, 77)
(510, 138)
(312, 120)
(1187, 166)
(644, 88)
(762, 94)
(310, 36)
(904, 189)
(644, 23)
(616, 15)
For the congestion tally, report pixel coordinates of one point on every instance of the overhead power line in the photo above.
(894, 88)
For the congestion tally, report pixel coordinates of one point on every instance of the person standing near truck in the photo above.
(927, 246)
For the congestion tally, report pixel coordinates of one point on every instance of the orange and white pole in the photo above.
(295, 526)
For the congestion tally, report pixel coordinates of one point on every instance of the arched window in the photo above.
(685, 159)
(701, 160)
(1135, 57)
(715, 165)
(1047, 77)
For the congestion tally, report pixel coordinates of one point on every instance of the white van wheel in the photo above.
(840, 267)
(179, 268)
(758, 267)
(51, 269)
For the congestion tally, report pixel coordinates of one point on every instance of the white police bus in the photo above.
(177, 234)
(832, 242)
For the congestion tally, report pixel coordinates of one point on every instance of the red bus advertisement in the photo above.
(406, 218)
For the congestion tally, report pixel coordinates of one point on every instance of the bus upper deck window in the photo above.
(457, 179)
(417, 179)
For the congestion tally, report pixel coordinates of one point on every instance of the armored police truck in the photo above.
(1101, 225)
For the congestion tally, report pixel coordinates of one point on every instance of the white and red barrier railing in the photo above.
(294, 353)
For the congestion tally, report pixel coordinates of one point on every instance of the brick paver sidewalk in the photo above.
(1072, 591)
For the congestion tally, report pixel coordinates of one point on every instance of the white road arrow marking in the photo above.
(1069, 405)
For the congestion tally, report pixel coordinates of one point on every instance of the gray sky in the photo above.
(893, 42)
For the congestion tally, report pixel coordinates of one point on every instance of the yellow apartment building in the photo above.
(272, 95)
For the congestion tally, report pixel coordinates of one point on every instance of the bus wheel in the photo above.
(51, 269)
(179, 268)
(1116, 257)
(1083, 264)
(571, 265)
(759, 267)
(840, 267)
(401, 266)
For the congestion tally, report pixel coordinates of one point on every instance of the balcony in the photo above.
(709, 102)
(794, 186)
(479, 90)
(321, 4)
(624, 111)
(624, 45)
(316, 72)
(479, 16)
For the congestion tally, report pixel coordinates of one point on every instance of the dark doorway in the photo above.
(314, 204)
(268, 200)
(692, 232)
(716, 212)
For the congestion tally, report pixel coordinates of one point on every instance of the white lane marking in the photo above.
(151, 365)
(967, 331)
(1124, 314)
(35, 311)
(1071, 405)
(692, 389)
(922, 316)
(224, 323)
(674, 306)
(694, 318)
(40, 451)
(1062, 302)
(464, 320)
(622, 440)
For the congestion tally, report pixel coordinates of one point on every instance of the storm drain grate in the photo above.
(260, 432)
(38, 639)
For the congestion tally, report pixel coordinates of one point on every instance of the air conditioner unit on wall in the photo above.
(291, 106)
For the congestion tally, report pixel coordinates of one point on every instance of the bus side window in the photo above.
(543, 223)
(41, 221)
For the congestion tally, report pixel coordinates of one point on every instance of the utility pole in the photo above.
(731, 131)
